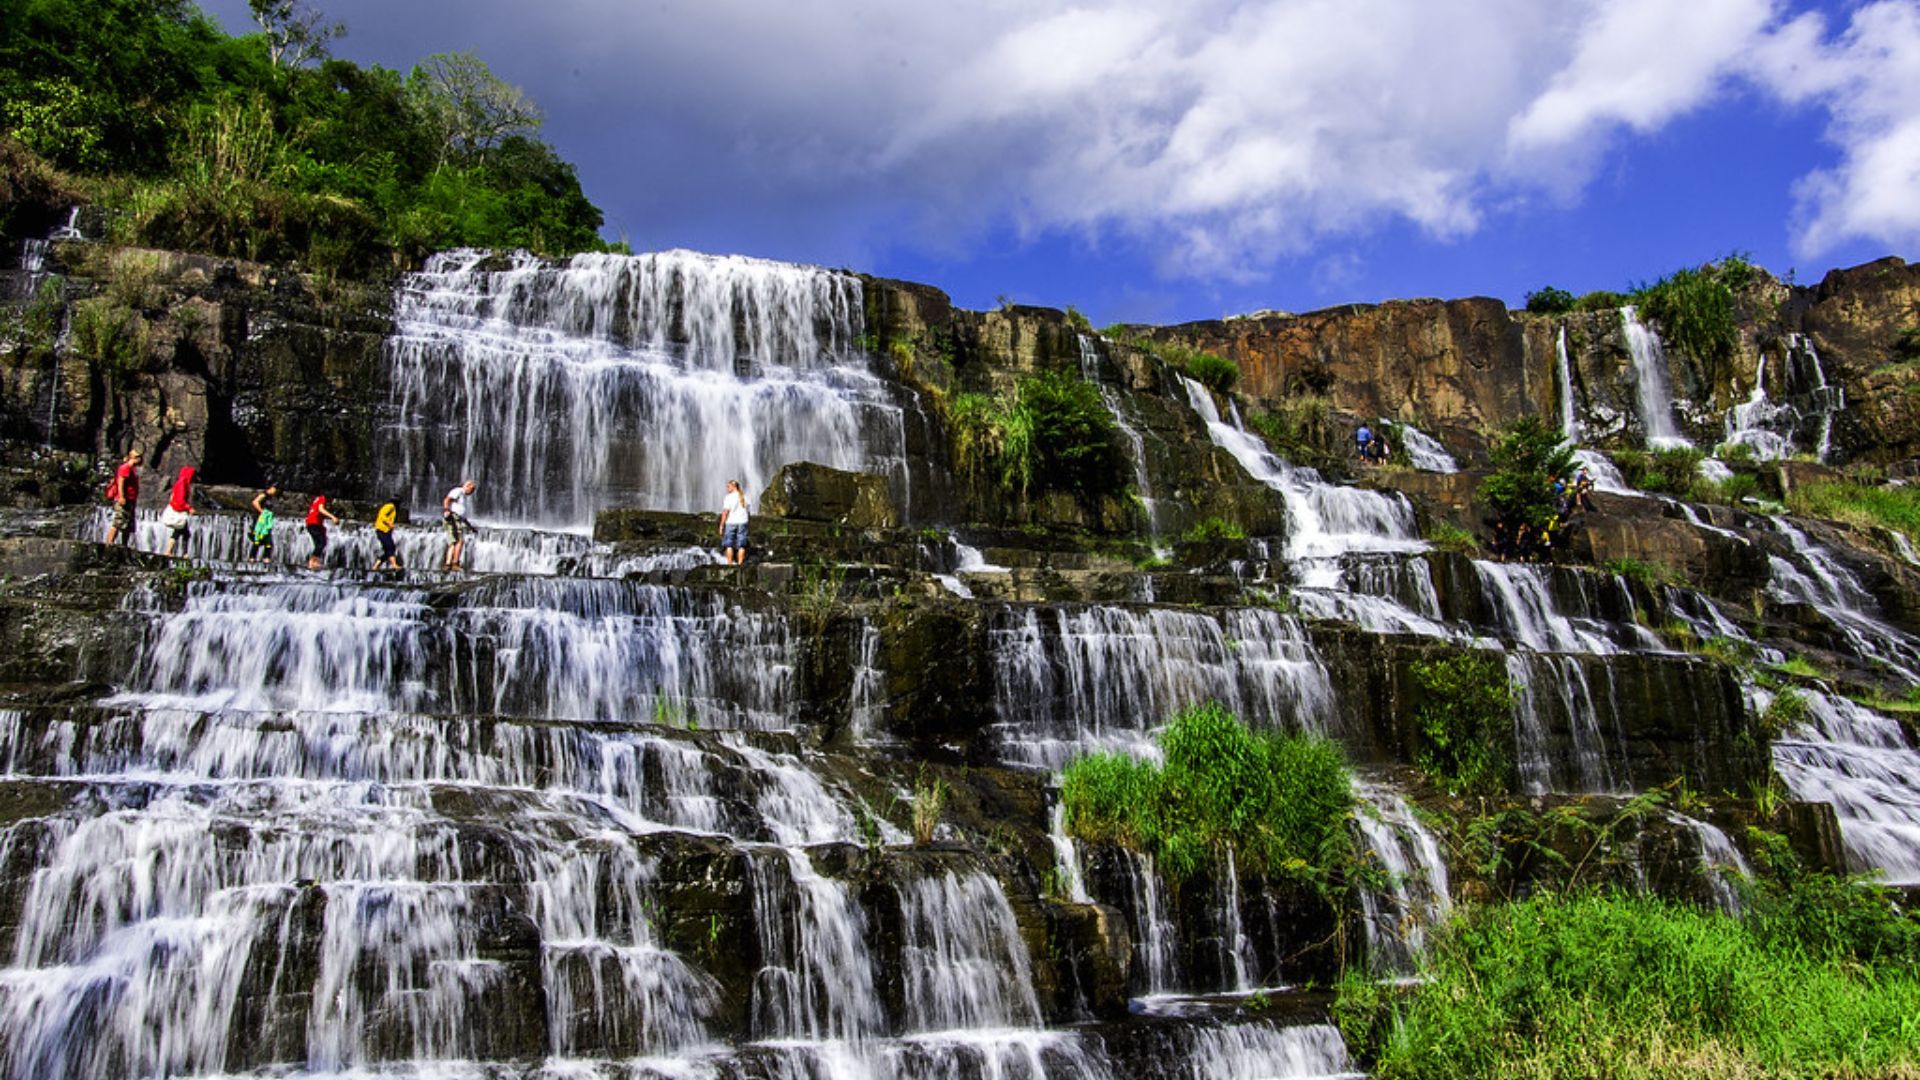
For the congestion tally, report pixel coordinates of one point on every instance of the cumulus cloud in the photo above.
(1229, 134)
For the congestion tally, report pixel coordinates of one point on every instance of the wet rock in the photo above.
(811, 492)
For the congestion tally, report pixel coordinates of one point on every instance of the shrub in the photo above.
(1298, 428)
(1601, 300)
(1694, 311)
(1673, 470)
(1464, 720)
(1214, 528)
(1787, 710)
(1279, 802)
(1649, 572)
(1633, 987)
(1216, 373)
(1906, 345)
(1548, 300)
(1053, 432)
(1446, 536)
(1526, 458)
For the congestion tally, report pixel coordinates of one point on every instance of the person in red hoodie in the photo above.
(315, 512)
(124, 491)
(179, 512)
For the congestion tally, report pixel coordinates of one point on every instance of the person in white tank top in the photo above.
(733, 525)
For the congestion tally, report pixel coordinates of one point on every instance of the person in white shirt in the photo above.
(733, 525)
(453, 511)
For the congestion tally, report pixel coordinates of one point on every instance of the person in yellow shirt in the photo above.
(383, 523)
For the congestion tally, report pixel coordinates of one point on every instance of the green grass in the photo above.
(1896, 508)
(1214, 528)
(1694, 308)
(1446, 536)
(1800, 668)
(1279, 802)
(1619, 986)
(1649, 572)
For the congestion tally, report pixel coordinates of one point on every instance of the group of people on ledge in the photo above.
(1521, 540)
(123, 492)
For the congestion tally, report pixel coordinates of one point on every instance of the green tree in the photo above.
(1526, 458)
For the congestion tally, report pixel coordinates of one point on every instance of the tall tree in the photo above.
(474, 108)
(296, 33)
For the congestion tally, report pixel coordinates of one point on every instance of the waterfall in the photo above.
(1423, 450)
(965, 965)
(1809, 376)
(1156, 962)
(1862, 763)
(627, 380)
(1323, 520)
(1072, 680)
(1718, 859)
(816, 980)
(1416, 896)
(1569, 408)
(1755, 423)
(1071, 881)
(1653, 381)
(1136, 445)
(1813, 576)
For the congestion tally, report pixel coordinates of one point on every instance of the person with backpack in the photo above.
(261, 531)
(317, 515)
(179, 512)
(383, 523)
(124, 492)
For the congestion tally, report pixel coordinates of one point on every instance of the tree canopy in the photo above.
(265, 147)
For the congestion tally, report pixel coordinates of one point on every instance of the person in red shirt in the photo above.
(124, 490)
(315, 512)
(177, 516)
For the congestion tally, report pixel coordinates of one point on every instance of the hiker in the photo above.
(1583, 489)
(383, 523)
(261, 530)
(1501, 545)
(316, 512)
(124, 492)
(733, 525)
(179, 512)
(1363, 443)
(1377, 449)
(453, 511)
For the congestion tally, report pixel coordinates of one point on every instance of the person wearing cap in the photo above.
(733, 525)
(124, 490)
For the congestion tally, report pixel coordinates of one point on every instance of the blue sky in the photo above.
(1154, 162)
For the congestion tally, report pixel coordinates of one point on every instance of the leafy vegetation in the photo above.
(1621, 986)
(1051, 432)
(1868, 506)
(1548, 300)
(1673, 470)
(1279, 802)
(263, 147)
(1464, 720)
(1694, 308)
(1601, 300)
(1649, 572)
(1526, 458)
(1300, 429)
(1216, 373)
(1446, 536)
(1214, 528)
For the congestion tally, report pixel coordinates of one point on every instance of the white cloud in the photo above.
(1227, 133)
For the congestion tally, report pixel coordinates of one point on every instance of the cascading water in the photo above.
(1068, 681)
(1569, 407)
(1416, 896)
(1756, 423)
(1652, 379)
(1423, 450)
(628, 380)
(1136, 445)
(1863, 763)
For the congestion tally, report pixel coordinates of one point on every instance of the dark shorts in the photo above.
(123, 516)
(263, 545)
(386, 543)
(734, 537)
(319, 534)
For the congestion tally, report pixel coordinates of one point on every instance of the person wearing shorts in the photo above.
(125, 493)
(733, 525)
(317, 516)
(453, 511)
(383, 523)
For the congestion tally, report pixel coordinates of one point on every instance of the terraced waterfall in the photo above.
(604, 809)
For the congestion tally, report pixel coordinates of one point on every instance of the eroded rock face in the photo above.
(812, 492)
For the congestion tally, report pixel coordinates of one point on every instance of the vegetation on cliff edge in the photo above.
(262, 147)
(1526, 458)
(1051, 432)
